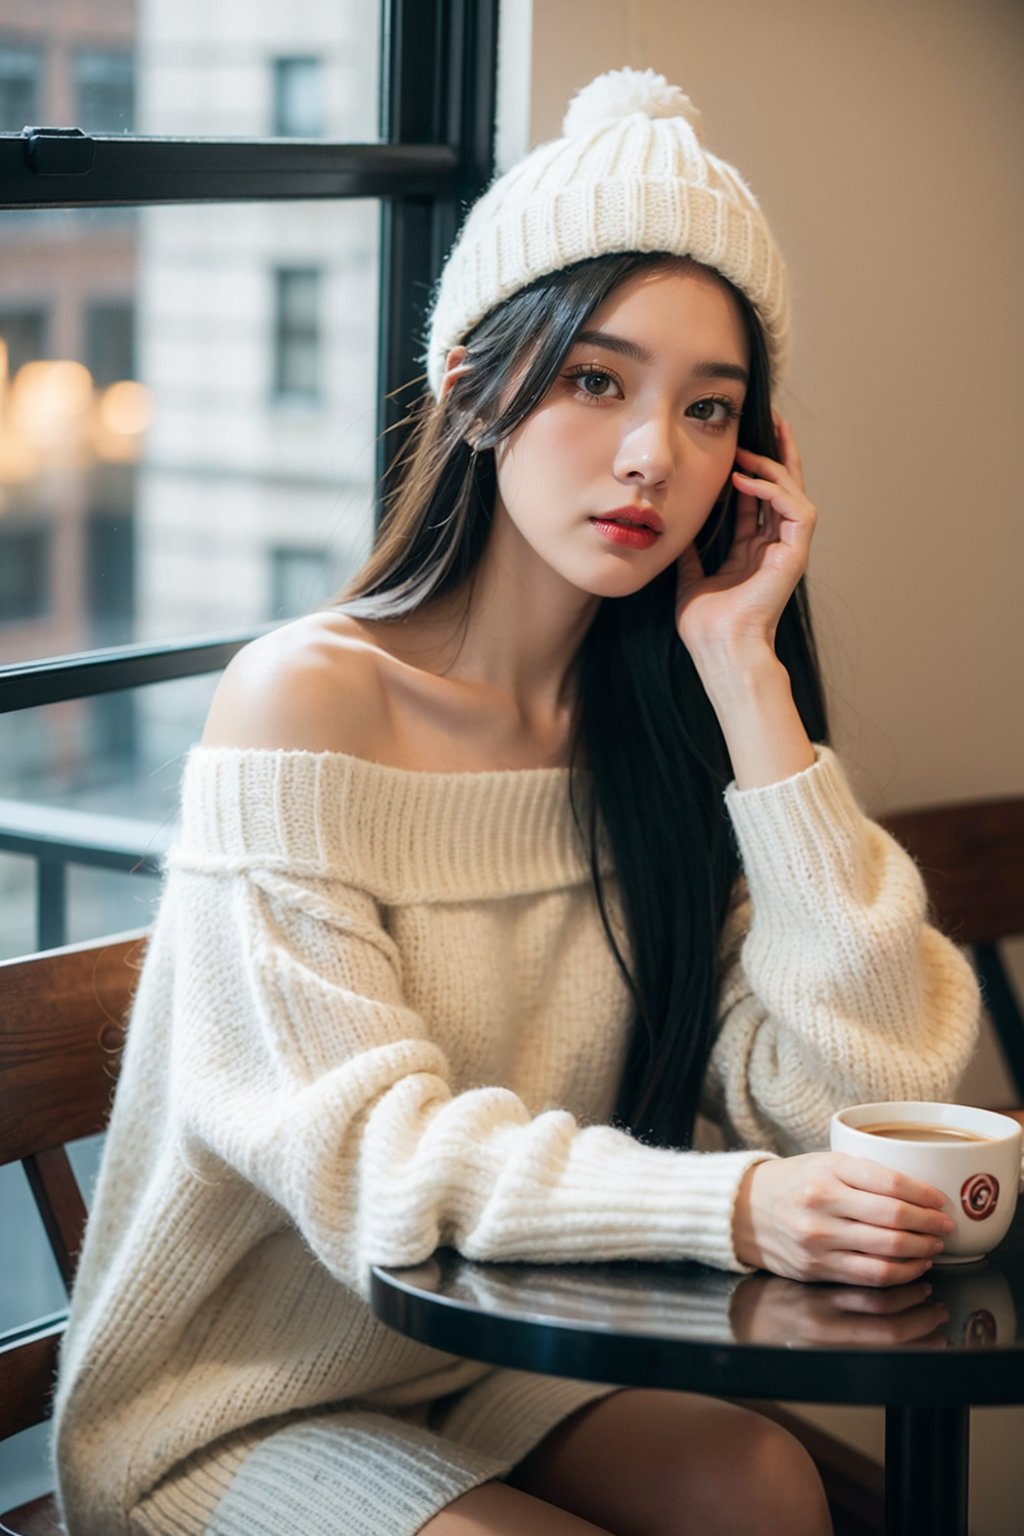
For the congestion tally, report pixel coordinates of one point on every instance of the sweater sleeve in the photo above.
(298, 1064)
(835, 990)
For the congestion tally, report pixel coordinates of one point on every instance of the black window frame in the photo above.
(437, 98)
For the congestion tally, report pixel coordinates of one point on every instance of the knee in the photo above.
(779, 1484)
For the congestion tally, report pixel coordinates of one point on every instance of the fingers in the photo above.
(750, 519)
(868, 1269)
(880, 1213)
(827, 1216)
(861, 1173)
(828, 1239)
(792, 518)
(886, 1242)
(880, 1303)
(772, 480)
(911, 1324)
(902, 1215)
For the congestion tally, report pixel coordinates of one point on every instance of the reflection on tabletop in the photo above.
(967, 1308)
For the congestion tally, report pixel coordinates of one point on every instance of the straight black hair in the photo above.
(656, 760)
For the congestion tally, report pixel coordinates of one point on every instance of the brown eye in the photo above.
(728, 412)
(587, 376)
(596, 379)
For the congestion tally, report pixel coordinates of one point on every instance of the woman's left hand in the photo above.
(738, 608)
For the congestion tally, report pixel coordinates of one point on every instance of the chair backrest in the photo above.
(62, 1017)
(972, 858)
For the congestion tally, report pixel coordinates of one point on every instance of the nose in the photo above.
(646, 452)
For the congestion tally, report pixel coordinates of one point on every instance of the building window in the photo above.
(105, 91)
(21, 73)
(298, 98)
(23, 334)
(297, 333)
(109, 595)
(299, 579)
(24, 572)
(110, 341)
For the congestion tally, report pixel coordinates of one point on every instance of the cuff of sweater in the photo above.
(802, 840)
(663, 1205)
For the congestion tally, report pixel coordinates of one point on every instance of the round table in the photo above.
(695, 1329)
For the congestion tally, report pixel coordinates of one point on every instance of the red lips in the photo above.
(642, 517)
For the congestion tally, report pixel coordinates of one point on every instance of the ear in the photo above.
(455, 365)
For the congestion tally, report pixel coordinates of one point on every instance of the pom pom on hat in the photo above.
(621, 92)
(629, 173)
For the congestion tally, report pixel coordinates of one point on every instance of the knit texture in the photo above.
(630, 173)
(378, 1014)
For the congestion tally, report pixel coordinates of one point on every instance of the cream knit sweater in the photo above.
(378, 1013)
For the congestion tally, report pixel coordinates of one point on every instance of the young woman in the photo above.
(492, 875)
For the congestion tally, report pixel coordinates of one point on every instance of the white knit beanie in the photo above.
(630, 173)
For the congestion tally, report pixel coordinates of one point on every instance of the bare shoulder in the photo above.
(312, 685)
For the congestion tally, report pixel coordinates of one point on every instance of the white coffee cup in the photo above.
(979, 1179)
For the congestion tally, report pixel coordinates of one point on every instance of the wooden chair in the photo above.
(61, 1030)
(972, 857)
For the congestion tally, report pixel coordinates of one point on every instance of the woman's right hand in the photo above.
(829, 1216)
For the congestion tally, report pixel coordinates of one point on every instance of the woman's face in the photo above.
(640, 424)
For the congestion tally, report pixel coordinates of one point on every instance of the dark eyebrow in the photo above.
(706, 370)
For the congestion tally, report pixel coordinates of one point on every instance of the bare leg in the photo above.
(494, 1509)
(645, 1462)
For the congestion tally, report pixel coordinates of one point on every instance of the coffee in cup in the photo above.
(906, 1130)
(972, 1155)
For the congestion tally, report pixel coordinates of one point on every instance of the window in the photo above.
(109, 595)
(104, 92)
(23, 333)
(297, 333)
(299, 580)
(110, 341)
(24, 572)
(155, 500)
(21, 71)
(298, 98)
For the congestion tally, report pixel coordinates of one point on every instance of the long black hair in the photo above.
(656, 759)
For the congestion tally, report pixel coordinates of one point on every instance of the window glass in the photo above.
(297, 334)
(186, 391)
(97, 774)
(26, 564)
(298, 98)
(109, 340)
(23, 330)
(25, 1467)
(104, 90)
(31, 1289)
(21, 73)
(211, 68)
(302, 578)
(30, 1283)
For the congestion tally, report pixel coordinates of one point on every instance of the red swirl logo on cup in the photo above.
(980, 1330)
(979, 1195)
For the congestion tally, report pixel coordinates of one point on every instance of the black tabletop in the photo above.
(689, 1327)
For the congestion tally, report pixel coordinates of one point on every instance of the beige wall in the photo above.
(884, 139)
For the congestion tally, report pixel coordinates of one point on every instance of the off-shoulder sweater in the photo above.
(378, 1013)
